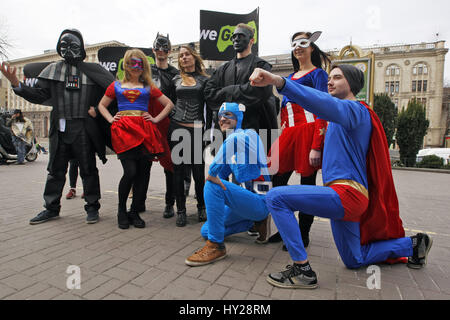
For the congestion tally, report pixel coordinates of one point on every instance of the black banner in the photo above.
(216, 29)
(111, 58)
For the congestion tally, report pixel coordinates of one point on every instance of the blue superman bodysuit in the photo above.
(344, 199)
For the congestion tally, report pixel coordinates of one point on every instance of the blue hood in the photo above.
(237, 109)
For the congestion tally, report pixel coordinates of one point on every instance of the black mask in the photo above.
(241, 39)
(70, 48)
(162, 43)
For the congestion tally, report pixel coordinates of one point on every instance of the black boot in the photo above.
(136, 220)
(168, 211)
(122, 219)
(304, 223)
(201, 214)
(181, 218)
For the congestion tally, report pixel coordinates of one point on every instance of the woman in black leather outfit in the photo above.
(186, 129)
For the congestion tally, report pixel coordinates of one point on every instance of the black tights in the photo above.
(198, 173)
(133, 174)
(283, 179)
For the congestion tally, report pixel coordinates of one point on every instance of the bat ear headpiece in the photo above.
(162, 43)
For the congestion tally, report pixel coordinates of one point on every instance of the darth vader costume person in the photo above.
(73, 88)
(230, 83)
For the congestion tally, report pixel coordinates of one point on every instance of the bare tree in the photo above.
(4, 41)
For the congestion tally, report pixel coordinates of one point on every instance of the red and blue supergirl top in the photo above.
(131, 98)
(132, 129)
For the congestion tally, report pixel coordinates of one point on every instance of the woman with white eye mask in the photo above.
(300, 145)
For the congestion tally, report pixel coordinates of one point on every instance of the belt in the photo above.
(131, 113)
(355, 185)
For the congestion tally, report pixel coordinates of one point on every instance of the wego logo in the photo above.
(224, 39)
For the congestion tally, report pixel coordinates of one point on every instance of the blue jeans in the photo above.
(325, 202)
(230, 211)
(20, 145)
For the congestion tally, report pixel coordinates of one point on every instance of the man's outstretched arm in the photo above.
(344, 112)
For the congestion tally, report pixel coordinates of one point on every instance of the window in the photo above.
(419, 85)
(392, 87)
(423, 101)
(425, 85)
(392, 71)
(414, 84)
(386, 88)
(397, 86)
(420, 69)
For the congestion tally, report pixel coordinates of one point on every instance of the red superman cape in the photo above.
(382, 220)
(154, 108)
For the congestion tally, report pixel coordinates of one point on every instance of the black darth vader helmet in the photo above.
(71, 46)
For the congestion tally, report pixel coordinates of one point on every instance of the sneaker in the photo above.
(168, 212)
(421, 246)
(181, 218)
(71, 194)
(136, 220)
(201, 214)
(294, 277)
(263, 228)
(92, 217)
(44, 216)
(210, 253)
(252, 231)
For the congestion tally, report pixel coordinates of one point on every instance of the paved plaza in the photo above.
(36, 262)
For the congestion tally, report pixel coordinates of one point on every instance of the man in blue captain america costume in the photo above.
(358, 195)
(231, 208)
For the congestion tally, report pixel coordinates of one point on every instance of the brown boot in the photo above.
(263, 228)
(210, 253)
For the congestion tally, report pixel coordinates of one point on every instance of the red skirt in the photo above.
(292, 149)
(132, 131)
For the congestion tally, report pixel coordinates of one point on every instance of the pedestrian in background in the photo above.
(22, 134)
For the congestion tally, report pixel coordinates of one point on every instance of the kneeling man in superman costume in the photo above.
(231, 208)
(358, 195)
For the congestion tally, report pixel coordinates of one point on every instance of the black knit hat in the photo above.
(353, 75)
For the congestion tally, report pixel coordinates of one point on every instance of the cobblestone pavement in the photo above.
(149, 263)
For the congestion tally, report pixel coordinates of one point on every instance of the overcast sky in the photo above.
(34, 26)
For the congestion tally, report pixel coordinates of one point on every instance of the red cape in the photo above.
(382, 220)
(155, 107)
